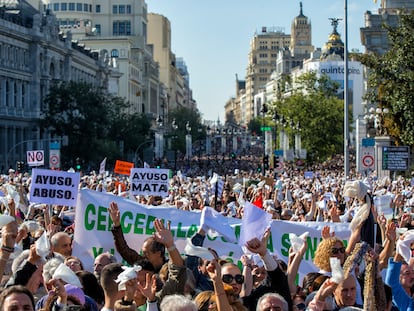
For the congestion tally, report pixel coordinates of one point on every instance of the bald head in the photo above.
(61, 243)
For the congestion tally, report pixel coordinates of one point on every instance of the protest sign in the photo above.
(149, 181)
(92, 220)
(123, 168)
(54, 187)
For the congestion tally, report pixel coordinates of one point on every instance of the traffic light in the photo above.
(20, 166)
(259, 169)
(266, 162)
(78, 164)
(233, 155)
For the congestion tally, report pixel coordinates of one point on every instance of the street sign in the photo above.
(368, 142)
(395, 158)
(367, 158)
(54, 158)
(265, 128)
(35, 158)
(368, 161)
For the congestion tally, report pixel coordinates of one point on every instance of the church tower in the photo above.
(301, 35)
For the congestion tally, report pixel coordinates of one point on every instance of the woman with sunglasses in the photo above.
(276, 280)
(221, 275)
(332, 246)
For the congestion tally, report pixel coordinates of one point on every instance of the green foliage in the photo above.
(315, 106)
(94, 121)
(182, 115)
(391, 80)
(255, 125)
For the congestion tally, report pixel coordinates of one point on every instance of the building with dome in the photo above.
(267, 47)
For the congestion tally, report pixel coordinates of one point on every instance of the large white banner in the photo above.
(54, 187)
(93, 230)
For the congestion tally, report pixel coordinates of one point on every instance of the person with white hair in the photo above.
(272, 302)
(177, 303)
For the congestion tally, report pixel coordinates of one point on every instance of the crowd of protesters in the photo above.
(372, 271)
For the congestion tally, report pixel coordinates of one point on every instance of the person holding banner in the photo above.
(154, 251)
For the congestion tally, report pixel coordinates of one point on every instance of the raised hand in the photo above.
(326, 232)
(149, 288)
(391, 231)
(59, 289)
(114, 214)
(163, 234)
(259, 246)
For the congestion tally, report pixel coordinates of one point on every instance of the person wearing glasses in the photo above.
(332, 246)
(276, 280)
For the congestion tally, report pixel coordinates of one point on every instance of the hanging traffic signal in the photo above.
(78, 164)
(20, 166)
(266, 162)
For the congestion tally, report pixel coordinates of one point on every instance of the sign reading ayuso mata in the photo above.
(149, 181)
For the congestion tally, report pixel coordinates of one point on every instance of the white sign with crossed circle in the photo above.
(367, 159)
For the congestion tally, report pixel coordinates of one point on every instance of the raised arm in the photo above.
(163, 235)
(293, 266)
(214, 271)
(389, 245)
(128, 254)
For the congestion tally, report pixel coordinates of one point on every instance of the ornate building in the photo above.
(32, 56)
(272, 50)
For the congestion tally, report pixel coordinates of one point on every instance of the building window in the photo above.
(7, 93)
(63, 6)
(71, 6)
(55, 6)
(79, 7)
(98, 29)
(121, 9)
(23, 95)
(114, 9)
(15, 95)
(128, 9)
(121, 28)
(114, 53)
(98, 8)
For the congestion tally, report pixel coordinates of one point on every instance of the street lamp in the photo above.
(159, 139)
(276, 120)
(174, 126)
(282, 136)
(208, 141)
(298, 140)
(377, 116)
(265, 155)
(188, 141)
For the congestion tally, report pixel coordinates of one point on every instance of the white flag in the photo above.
(102, 166)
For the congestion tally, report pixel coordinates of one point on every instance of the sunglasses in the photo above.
(228, 278)
(301, 306)
(337, 250)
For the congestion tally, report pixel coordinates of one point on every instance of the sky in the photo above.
(213, 37)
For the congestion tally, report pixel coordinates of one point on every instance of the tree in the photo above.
(93, 120)
(182, 115)
(391, 80)
(315, 106)
(254, 126)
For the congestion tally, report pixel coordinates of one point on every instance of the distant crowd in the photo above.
(373, 269)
